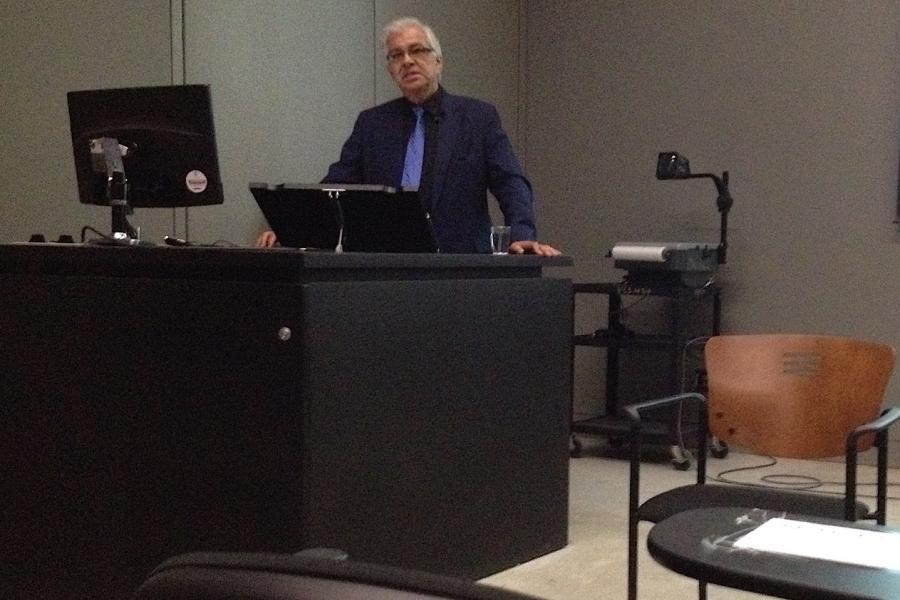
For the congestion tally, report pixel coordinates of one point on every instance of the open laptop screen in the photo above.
(352, 217)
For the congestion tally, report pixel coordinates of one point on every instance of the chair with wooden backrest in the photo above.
(791, 396)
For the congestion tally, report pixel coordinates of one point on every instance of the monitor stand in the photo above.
(123, 234)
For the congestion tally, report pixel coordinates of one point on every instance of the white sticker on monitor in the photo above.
(196, 181)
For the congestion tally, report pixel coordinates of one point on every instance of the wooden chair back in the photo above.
(794, 396)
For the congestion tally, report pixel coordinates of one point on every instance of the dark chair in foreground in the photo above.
(233, 576)
(791, 396)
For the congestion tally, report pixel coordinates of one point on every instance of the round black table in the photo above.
(698, 543)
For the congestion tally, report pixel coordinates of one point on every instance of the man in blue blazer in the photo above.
(466, 152)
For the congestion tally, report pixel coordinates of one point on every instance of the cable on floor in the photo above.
(790, 482)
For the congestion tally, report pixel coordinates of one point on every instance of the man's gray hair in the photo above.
(404, 23)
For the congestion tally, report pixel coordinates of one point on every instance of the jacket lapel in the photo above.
(396, 139)
(448, 132)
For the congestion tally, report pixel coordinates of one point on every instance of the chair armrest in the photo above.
(269, 576)
(878, 428)
(887, 418)
(633, 411)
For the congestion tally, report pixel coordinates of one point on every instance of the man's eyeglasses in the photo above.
(417, 53)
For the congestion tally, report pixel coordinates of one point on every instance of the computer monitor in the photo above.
(149, 146)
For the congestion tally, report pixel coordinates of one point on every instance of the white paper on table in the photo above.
(825, 542)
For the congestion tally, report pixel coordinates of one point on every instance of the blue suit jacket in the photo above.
(473, 155)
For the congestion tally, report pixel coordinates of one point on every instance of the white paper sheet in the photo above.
(880, 549)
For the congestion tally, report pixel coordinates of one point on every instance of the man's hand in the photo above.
(533, 247)
(266, 239)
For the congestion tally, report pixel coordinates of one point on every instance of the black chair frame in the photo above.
(847, 507)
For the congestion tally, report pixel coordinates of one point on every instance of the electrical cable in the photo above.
(87, 228)
(800, 483)
(679, 431)
(623, 311)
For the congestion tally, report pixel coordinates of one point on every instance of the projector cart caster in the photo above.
(717, 448)
(681, 458)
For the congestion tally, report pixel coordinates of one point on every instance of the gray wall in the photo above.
(798, 100)
(48, 48)
(288, 78)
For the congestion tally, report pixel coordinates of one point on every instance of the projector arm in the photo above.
(723, 203)
(672, 165)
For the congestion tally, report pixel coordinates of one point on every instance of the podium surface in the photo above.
(411, 410)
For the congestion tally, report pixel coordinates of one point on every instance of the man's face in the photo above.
(413, 65)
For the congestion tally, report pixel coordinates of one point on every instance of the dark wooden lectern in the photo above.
(412, 410)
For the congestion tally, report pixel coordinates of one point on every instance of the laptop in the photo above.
(300, 215)
(346, 217)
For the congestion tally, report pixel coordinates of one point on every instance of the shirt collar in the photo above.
(434, 106)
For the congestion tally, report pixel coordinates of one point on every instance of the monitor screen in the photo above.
(163, 140)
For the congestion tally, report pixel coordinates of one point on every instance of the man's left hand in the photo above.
(533, 247)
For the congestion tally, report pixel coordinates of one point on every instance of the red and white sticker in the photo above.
(196, 181)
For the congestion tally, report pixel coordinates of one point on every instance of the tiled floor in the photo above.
(593, 565)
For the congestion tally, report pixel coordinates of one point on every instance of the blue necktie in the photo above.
(415, 150)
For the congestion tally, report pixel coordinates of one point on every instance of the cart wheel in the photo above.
(681, 464)
(681, 458)
(574, 446)
(718, 448)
